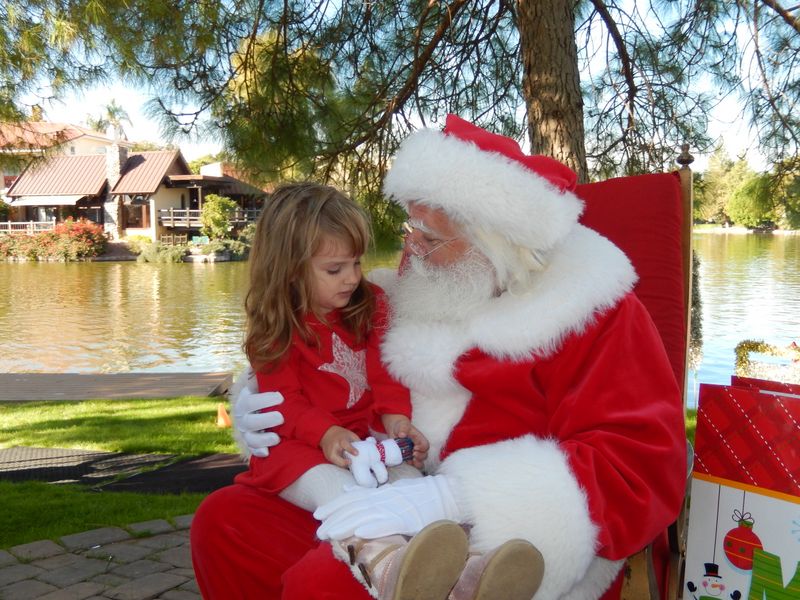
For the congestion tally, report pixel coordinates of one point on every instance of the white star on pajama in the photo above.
(350, 365)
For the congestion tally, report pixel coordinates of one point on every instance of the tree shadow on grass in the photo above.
(61, 465)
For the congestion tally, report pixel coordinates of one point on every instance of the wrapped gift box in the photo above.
(766, 387)
(744, 518)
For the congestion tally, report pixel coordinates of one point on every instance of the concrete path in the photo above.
(22, 387)
(141, 562)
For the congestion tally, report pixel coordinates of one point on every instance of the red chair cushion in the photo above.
(643, 216)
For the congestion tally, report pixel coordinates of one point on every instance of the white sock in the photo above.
(318, 485)
(323, 483)
(403, 471)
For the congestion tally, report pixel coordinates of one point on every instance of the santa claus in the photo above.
(536, 374)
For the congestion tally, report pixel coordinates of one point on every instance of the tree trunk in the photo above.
(550, 81)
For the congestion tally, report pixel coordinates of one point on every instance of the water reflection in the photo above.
(750, 288)
(120, 317)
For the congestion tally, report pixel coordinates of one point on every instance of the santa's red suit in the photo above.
(553, 413)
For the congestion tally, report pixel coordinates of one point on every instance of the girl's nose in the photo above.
(353, 277)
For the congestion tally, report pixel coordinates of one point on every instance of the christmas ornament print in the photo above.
(741, 542)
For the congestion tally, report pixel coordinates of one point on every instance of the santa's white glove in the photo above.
(404, 507)
(369, 465)
(249, 421)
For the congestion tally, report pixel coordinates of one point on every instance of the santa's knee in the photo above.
(321, 576)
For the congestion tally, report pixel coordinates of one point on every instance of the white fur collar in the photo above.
(586, 274)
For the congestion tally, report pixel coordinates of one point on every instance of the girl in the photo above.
(313, 327)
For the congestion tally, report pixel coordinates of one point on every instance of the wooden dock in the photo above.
(27, 387)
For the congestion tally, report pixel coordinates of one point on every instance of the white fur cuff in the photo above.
(524, 488)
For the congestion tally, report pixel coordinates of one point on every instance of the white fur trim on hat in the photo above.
(481, 188)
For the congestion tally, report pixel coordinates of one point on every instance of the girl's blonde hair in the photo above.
(290, 231)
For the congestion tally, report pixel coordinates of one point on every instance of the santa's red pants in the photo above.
(248, 544)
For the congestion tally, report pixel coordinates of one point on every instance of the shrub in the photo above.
(71, 240)
(79, 239)
(216, 216)
(6, 243)
(214, 246)
(5, 209)
(137, 243)
(239, 249)
(247, 234)
(159, 253)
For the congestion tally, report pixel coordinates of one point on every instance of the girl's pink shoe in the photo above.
(424, 567)
(512, 571)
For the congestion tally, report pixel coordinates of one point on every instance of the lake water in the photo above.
(750, 289)
(118, 317)
(122, 317)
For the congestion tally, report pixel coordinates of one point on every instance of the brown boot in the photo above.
(512, 571)
(424, 567)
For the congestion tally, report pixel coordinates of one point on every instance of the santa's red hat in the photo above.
(483, 178)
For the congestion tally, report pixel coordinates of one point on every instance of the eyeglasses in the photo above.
(426, 243)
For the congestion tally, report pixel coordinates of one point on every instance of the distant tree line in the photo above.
(730, 192)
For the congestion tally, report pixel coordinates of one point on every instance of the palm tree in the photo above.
(113, 116)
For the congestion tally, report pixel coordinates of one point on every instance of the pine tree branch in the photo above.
(625, 59)
(421, 60)
(791, 21)
(771, 98)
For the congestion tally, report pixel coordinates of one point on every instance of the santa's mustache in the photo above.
(434, 293)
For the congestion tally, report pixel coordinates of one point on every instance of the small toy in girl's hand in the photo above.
(406, 448)
(369, 465)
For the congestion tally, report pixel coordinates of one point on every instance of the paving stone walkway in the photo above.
(141, 562)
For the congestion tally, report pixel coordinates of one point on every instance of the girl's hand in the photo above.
(400, 426)
(335, 442)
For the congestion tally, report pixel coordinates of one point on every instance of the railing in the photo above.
(26, 227)
(181, 217)
(169, 239)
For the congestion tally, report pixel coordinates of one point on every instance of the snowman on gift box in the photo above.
(712, 584)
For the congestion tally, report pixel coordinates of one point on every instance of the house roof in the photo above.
(40, 135)
(62, 175)
(145, 171)
(85, 174)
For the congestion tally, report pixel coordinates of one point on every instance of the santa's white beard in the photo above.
(429, 293)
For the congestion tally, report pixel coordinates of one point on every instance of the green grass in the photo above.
(185, 426)
(34, 511)
(691, 424)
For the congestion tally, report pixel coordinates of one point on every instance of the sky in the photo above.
(726, 123)
(75, 108)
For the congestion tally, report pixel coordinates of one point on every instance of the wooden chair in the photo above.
(650, 218)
